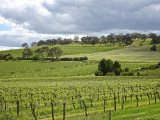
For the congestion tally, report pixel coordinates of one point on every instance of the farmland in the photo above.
(36, 69)
(32, 89)
(73, 90)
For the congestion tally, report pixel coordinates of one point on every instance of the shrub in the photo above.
(138, 73)
(98, 73)
(153, 48)
(126, 69)
(36, 57)
(76, 58)
(117, 71)
(127, 74)
(83, 58)
(66, 59)
(110, 74)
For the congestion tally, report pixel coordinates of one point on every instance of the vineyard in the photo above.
(56, 90)
(74, 97)
(32, 69)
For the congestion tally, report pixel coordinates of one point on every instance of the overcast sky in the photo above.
(33, 20)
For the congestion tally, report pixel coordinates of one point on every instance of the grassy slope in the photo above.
(134, 53)
(72, 49)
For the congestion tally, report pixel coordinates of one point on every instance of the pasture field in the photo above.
(72, 49)
(128, 54)
(98, 94)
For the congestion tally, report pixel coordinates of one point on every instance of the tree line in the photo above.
(54, 52)
(112, 38)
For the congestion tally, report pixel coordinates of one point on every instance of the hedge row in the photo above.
(62, 59)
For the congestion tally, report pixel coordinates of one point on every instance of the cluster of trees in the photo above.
(6, 57)
(53, 42)
(112, 38)
(107, 66)
(155, 38)
(54, 52)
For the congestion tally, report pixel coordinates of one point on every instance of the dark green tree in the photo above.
(117, 68)
(105, 66)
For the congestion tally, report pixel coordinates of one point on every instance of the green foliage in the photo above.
(74, 59)
(27, 53)
(36, 57)
(138, 73)
(127, 73)
(106, 66)
(40, 52)
(126, 69)
(117, 71)
(1, 56)
(98, 73)
(55, 52)
(35, 96)
(153, 48)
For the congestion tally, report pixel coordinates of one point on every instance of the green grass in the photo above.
(129, 54)
(72, 49)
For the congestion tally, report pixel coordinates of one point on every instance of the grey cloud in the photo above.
(81, 17)
(85, 16)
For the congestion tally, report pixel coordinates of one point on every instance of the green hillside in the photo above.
(38, 89)
(72, 49)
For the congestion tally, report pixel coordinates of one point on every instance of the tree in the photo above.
(25, 45)
(144, 37)
(41, 42)
(117, 68)
(111, 38)
(27, 52)
(76, 39)
(154, 38)
(119, 38)
(94, 40)
(55, 52)
(127, 39)
(105, 66)
(34, 44)
(104, 40)
(40, 51)
(153, 48)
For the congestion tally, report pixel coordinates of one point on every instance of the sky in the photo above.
(33, 20)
